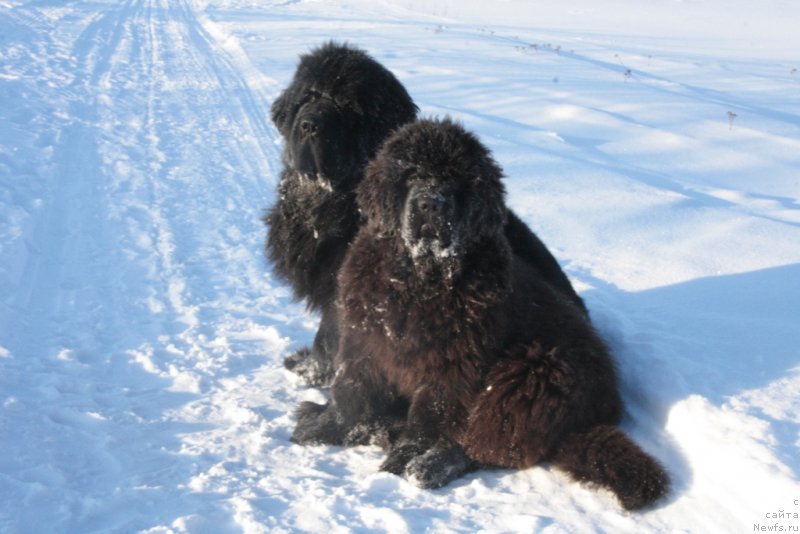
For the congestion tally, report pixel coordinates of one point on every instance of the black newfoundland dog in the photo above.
(442, 324)
(339, 107)
(334, 115)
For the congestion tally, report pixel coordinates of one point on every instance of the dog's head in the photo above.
(339, 107)
(434, 185)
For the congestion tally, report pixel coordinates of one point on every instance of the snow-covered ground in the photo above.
(654, 146)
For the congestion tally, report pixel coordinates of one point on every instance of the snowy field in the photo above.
(654, 146)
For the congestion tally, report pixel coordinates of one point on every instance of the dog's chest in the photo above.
(442, 341)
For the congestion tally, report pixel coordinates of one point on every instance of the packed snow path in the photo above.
(141, 331)
(138, 287)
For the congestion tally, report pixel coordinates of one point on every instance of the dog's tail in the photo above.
(604, 455)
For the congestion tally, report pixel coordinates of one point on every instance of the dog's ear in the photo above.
(388, 104)
(368, 194)
(380, 195)
(280, 113)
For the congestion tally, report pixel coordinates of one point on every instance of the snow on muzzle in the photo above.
(429, 226)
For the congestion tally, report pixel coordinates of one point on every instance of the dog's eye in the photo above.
(312, 96)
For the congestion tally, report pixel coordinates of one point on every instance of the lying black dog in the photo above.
(442, 323)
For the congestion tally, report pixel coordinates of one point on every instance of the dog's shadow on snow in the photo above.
(715, 337)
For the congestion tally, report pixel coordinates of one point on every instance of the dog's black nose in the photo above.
(430, 204)
(309, 126)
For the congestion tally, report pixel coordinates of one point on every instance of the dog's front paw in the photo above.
(438, 466)
(317, 424)
(313, 369)
(399, 456)
(296, 358)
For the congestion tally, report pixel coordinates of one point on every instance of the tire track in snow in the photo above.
(38, 295)
(204, 131)
(202, 186)
(145, 281)
(73, 401)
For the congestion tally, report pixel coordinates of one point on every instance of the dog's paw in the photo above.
(317, 424)
(366, 434)
(438, 466)
(314, 371)
(296, 358)
(399, 456)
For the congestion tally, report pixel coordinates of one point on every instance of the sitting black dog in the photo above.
(445, 326)
(339, 108)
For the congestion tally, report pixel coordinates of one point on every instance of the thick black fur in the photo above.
(490, 362)
(339, 107)
(337, 110)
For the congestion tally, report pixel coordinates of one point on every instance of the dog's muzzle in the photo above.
(428, 225)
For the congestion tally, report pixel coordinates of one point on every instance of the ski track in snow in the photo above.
(132, 321)
(141, 332)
